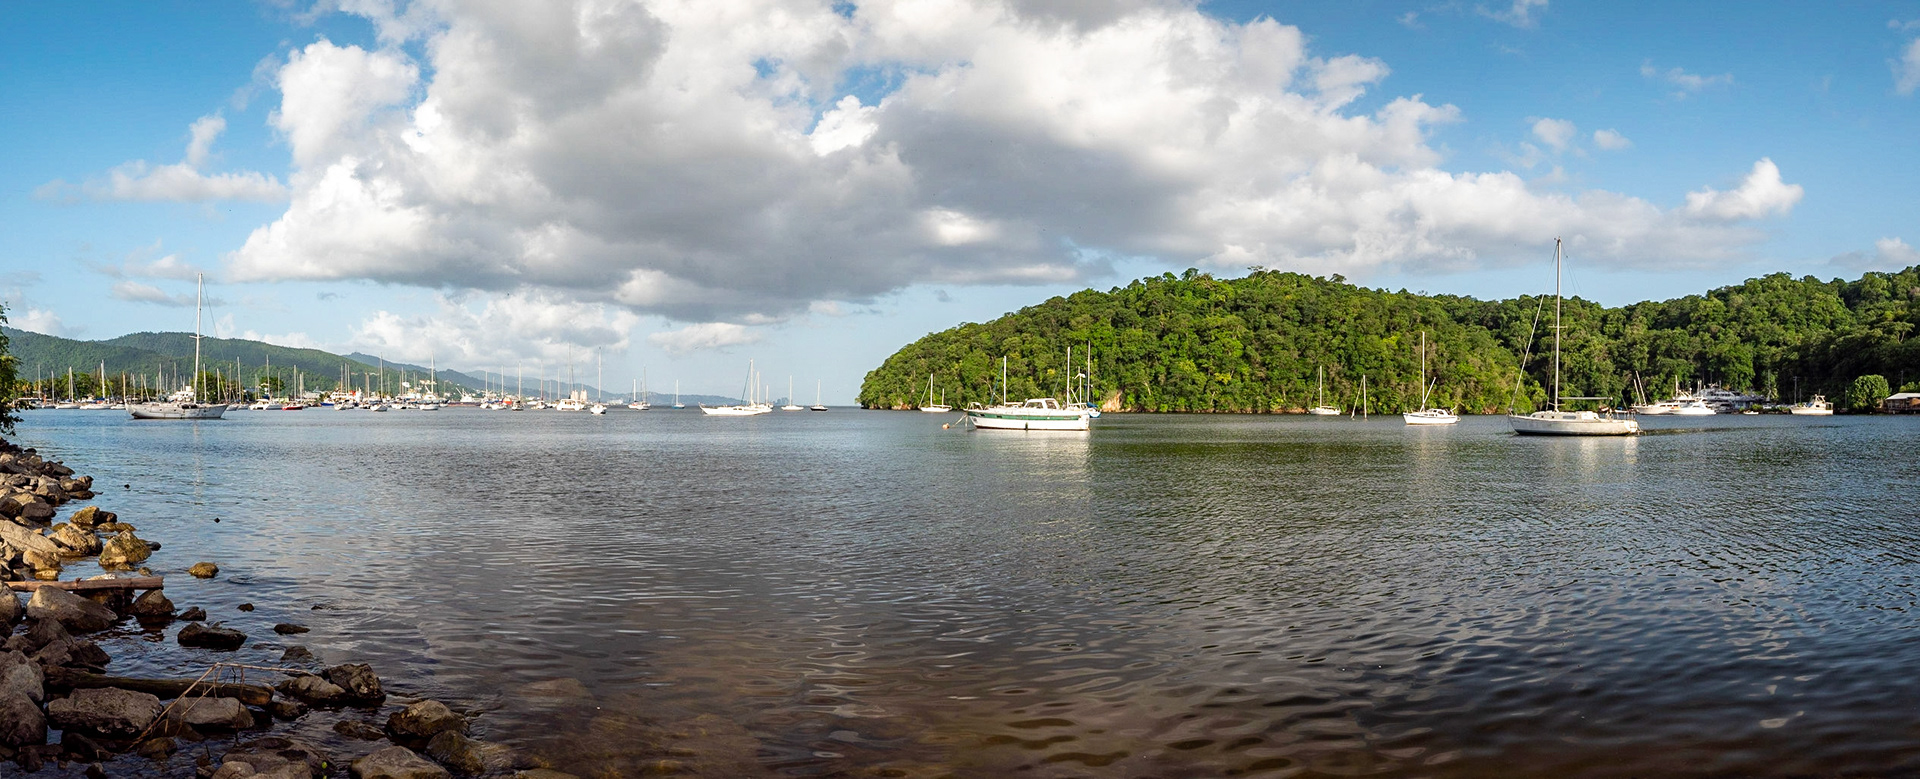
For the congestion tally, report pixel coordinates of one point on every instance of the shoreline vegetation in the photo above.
(1194, 343)
(54, 677)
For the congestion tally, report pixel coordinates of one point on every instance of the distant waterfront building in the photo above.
(1901, 403)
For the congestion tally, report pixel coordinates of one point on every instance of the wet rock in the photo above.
(193, 614)
(422, 721)
(153, 605)
(298, 655)
(27, 540)
(38, 511)
(124, 551)
(75, 540)
(21, 723)
(234, 769)
(274, 757)
(353, 728)
(85, 518)
(358, 680)
(204, 714)
(22, 676)
(76, 613)
(282, 708)
(48, 574)
(457, 752)
(72, 653)
(79, 747)
(543, 773)
(95, 771)
(314, 690)
(120, 601)
(10, 609)
(290, 629)
(396, 763)
(40, 632)
(204, 570)
(198, 635)
(156, 748)
(246, 607)
(107, 711)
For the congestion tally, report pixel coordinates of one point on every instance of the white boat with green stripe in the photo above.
(1034, 414)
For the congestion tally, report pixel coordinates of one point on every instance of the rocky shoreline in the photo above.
(60, 707)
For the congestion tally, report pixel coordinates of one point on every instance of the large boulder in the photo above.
(27, 540)
(85, 518)
(75, 540)
(153, 605)
(124, 551)
(419, 722)
(396, 763)
(203, 570)
(22, 676)
(10, 609)
(107, 711)
(274, 757)
(204, 714)
(196, 634)
(314, 690)
(39, 633)
(76, 613)
(359, 682)
(470, 757)
(72, 653)
(21, 723)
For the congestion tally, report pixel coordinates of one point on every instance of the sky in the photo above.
(677, 187)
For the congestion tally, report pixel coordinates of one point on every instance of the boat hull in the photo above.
(1323, 411)
(991, 419)
(1804, 411)
(735, 411)
(1430, 418)
(1571, 423)
(176, 411)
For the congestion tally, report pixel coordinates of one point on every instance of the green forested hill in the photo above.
(172, 354)
(1197, 343)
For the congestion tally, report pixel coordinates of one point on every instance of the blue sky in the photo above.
(492, 185)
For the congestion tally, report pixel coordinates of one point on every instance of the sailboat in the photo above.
(1323, 410)
(639, 400)
(817, 405)
(791, 406)
(932, 407)
(747, 408)
(1427, 416)
(1034, 414)
(1554, 421)
(184, 404)
(599, 380)
(676, 395)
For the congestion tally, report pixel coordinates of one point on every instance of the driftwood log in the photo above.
(250, 694)
(135, 583)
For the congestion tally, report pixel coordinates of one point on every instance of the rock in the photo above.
(274, 757)
(153, 605)
(290, 629)
(205, 714)
(246, 607)
(86, 517)
(40, 633)
(353, 728)
(95, 771)
(456, 752)
(38, 511)
(107, 711)
(314, 690)
(422, 721)
(194, 614)
(358, 680)
(79, 747)
(123, 551)
(234, 769)
(22, 676)
(543, 773)
(395, 763)
(26, 540)
(281, 708)
(21, 723)
(76, 613)
(75, 540)
(47, 574)
(196, 634)
(204, 570)
(73, 653)
(298, 654)
(156, 748)
(10, 609)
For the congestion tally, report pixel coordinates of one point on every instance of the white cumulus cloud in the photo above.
(1688, 83)
(498, 332)
(180, 182)
(1611, 140)
(1906, 70)
(1554, 132)
(703, 336)
(1889, 254)
(1760, 194)
(1519, 14)
(705, 161)
(136, 292)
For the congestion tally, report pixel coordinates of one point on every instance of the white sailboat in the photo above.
(747, 408)
(1427, 416)
(1323, 410)
(639, 399)
(932, 407)
(184, 404)
(1554, 421)
(1034, 414)
(817, 405)
(676, 395)
(791, 406)
(599, 380)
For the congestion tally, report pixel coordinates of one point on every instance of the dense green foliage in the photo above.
(9, 386)
(1197, 343)
(1866, 392)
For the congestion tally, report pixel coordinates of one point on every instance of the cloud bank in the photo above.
(740, 162)
(180, 182)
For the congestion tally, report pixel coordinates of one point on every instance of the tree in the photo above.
(1866, 393)
(9, 382)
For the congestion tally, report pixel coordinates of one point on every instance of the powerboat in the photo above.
(1034, 414)
(1817, 407)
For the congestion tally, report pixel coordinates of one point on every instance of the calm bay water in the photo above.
(862, 593)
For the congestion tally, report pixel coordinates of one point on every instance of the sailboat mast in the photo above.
(1423, 370)
(199, 280)
(1556, 324)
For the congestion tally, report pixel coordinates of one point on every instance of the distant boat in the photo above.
(791, 406)
(1818, 407)
(640, 402)
(1034, 414)
(932, 407)
(597, 409)
(676, 395)
(1427, 416)
(186, 403)
(748, 408)
(1554, 421)
(817, 406)
(1323, 410)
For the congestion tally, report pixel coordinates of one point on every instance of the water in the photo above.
(865, 594)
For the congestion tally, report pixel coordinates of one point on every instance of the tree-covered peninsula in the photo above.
(1256, 344)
